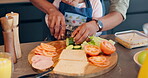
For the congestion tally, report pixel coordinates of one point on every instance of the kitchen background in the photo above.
(32, 26)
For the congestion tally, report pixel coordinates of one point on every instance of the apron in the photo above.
(74, 16)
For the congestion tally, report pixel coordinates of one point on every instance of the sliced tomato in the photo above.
(38, 52)
(146, 49)
(100, 61)
(107, 47)
(105, 64)
(92, 50)
(48, 47)
(50, 54)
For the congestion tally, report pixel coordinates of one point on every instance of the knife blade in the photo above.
(40, 75)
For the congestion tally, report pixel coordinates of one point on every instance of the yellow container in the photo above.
(143, 73)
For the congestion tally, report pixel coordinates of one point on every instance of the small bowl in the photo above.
(136, 58)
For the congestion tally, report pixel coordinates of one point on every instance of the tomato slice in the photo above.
(146, 49)
(107, 47)
(48, 47)
(92, 50)
(50, 54)
(100, 61)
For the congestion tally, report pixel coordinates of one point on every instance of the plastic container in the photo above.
(131, 38)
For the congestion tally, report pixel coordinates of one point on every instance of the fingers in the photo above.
(51, 25)
(79, 34)
(76, 32)
(83, 37)
(63, 28)
(57, 28)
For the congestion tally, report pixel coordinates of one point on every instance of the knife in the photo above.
(40, 75)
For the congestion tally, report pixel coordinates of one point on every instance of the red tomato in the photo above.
(92, 50)
(100, 61)
(146, 49)
(107, 47)
(49, 54)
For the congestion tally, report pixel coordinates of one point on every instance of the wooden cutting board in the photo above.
(91, 69)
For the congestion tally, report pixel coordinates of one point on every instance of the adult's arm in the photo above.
(117, 14)
(56, 20)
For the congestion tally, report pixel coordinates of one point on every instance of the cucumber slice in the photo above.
(70, 47)
(77, 47)
(69, 41)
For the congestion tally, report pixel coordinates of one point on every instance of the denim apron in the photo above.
(74, 16)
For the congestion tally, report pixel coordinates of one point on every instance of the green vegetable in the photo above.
(83, 44)
(77, 47)
(70, 47)
(69, 41)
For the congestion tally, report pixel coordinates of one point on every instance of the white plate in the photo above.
(136, 58)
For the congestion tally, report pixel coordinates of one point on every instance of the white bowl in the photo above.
(136, 58)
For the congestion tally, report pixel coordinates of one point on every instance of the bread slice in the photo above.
(76, 55)
(131, 37)
(69, 67)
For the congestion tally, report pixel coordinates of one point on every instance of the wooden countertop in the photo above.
(125, 68)
(12, 1)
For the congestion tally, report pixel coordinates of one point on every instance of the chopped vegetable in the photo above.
(83, 44)
(77, 47)
(107, 47)
(45, 50)
(69, 41)
(100, 61)
(70, 47)
(92, 50)
(146, 49)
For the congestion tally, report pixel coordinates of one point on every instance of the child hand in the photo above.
(71, 2)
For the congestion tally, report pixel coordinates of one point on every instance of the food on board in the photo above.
(142, 55)
(70, 67)
(71, 44)
(69, 41)
(45, 50)
(76, 55)
(41, 62)
(100, 61)
(107, 47)
(92, 50)
(74, 59)
(93, 41)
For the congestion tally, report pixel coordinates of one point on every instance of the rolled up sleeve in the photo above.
(120, 6)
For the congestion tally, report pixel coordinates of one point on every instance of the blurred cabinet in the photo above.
(31, 25)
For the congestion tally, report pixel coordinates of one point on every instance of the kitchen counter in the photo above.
(125, 68)
(12, 1)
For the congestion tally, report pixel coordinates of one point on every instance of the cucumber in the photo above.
(69, 41)
(77, 47)
(70, 47)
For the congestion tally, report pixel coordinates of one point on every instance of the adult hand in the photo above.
(56, 22)
(82, 32)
